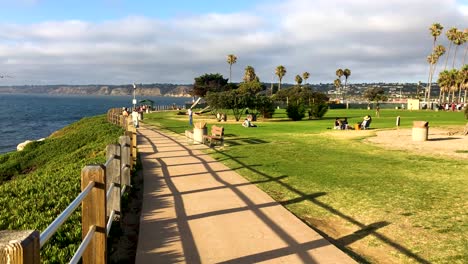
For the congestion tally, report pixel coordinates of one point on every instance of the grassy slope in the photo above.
(416, 204)
(47, 178)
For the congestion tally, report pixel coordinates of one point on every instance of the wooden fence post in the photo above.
(93, 213)
(133, 139)
(19, 247)
(113, 176)
(125, 159)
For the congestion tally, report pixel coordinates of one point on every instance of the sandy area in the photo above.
(448, 142)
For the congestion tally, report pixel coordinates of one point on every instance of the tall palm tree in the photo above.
(249, 74)
(337, 83)
(305, 76)
(436, 30)
(444, 84)
(465, 34)
(464, 84)
(451, 37)
(460, 80)
(459, 39)
(280, 71)
(231, 59)
(339, 73)
(346, 73)
(298, 79)
(434, 58)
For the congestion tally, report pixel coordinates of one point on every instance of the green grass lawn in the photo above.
(377, 204)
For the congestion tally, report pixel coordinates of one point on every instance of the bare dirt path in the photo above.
(441, 142)
(445, 142)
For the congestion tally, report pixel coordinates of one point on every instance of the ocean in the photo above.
(31, 117)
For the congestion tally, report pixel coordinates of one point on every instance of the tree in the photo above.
(305, 76)
(464, 84)
(208, 82)
(231, 59)
(249, 74)
(435, 31)
(432, 59)
(337, 84)
(280, 72)
(451, 37)
(252, 87)
(459, 39)
(346, 73)
(264, 105)
(444, 84)
(465, 34)
(339, 73)
(302, 98)
(298, 80)
(375, 94)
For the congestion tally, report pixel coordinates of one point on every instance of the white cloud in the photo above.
(378, 41)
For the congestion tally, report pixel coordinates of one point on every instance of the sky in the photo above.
(160, 41)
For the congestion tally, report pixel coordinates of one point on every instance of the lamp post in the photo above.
(134, 99)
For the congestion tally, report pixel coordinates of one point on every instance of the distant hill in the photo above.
(142, 89)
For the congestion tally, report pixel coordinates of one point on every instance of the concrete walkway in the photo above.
(196, 210)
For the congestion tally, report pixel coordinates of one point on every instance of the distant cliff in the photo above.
(142, 89)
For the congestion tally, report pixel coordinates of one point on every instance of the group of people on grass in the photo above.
(343, 124)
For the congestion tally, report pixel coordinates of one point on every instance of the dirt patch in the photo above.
(441, 142)
(446, 142)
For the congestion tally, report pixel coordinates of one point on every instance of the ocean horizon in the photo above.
(36, 116)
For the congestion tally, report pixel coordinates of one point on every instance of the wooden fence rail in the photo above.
(102, 187)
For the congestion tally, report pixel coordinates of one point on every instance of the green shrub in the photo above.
(317, 111)
(296, 111)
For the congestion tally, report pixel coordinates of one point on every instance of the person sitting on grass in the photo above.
(247, 123)
(337, 123)
(366, 122)
(344, 124)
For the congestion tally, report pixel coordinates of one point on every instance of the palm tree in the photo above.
(464, 84)
(231, 59)
(459, 39)
(460, 80)
(280, 72)
(465, 34)
(298, 80)
(453, 74)
(451, 37)
(436, 30)
(249, 74)
(433, 59)
(339, 73)
(444, 84)
(305, 76)
(346, 73)
(337, 83)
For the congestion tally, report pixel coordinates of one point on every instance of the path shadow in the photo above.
(189, 247)
(292, 245)
(442, 139)
(365, 230)
(168, 233)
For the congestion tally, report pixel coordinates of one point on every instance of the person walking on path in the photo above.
(135, 116)
(190, 114)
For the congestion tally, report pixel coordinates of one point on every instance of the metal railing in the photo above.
(102, 189)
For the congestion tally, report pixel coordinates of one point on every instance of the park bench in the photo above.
(217, 136)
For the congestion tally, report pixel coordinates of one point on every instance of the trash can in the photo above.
(420, 130)
(199, 130)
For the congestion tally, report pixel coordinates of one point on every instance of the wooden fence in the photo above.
(102, 187)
